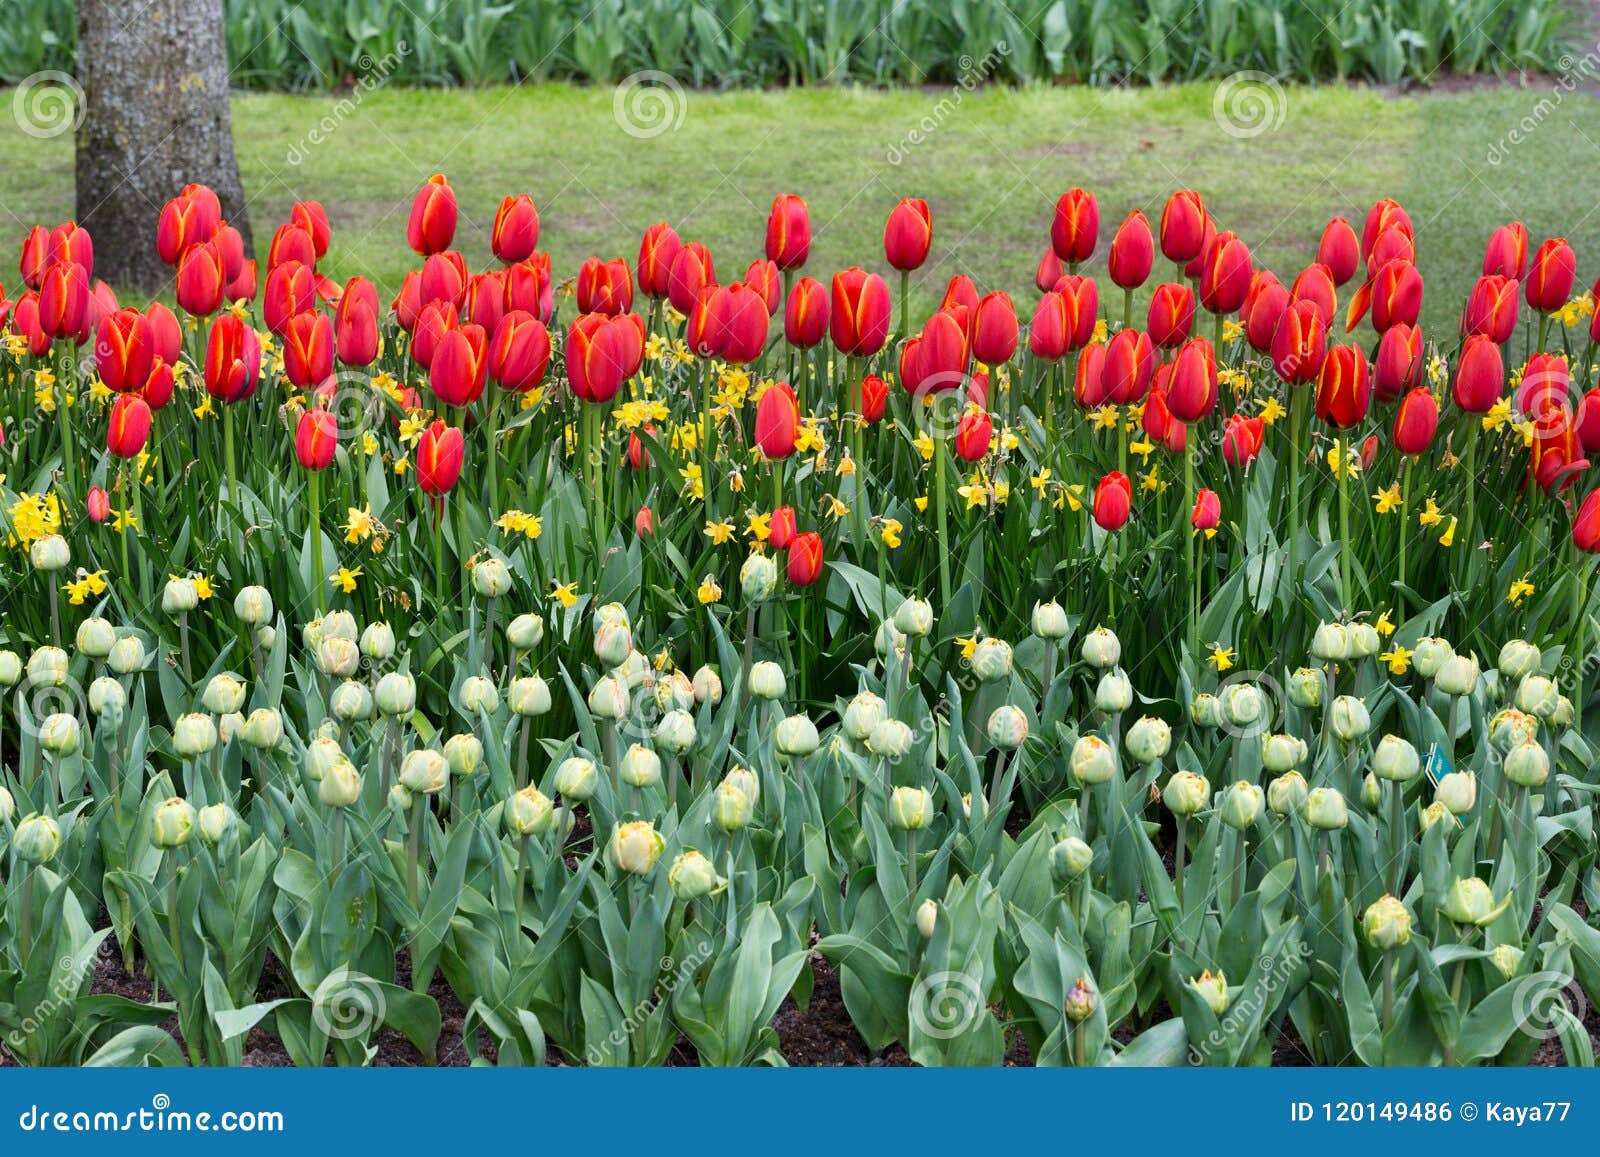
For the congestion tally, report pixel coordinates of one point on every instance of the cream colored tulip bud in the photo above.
(758, 578)
(1092, 760)
(1187, 793)
(478, 693)
(1458, 791)
(635, 847)
(1148, 740)
(179, 596)
(1527, 765)
(1050, 621)
(1213, 989)
(59, 734)
(464, 754)
(341, 786)
(745, 780)
(991, 660)
(1429, 656)
(890, 739)
(1371, 792)
(1517, 659)
(1287, 794)
(10, 669)
(1070, 858)
(674, 692)
(37, 839)
(576, 778)
(525, 632)
(1206, 710)
(1537, 695)
(693, 876)
(1114, 693)
(252, 606)
(377, 641)
(1305, 688)
(1349, 719)
(127, 655)
(796, 736)
(47, 667)
(1241, 805)
(1458, 675)
(173, 824)
(1396, 760)
(95, 638)
(1432, 814)
(731, 808)
(321, 754)
(1101, 648)
(338, 658)
(914, 618)
(491, 578)
(889, 640)
(613, 613)
(340, 625)
(529, 697)
(1008, 727)
(229, 726)
(396, 695)
(49, 553)
(707, 686)
(1387, 924)
(1243, 705)
(1280, 753)
(107, 696)
(640, 767)
(1364, 641)
(216, 821)
(1507, 959)
(223, 694)
(675, 733)
(1326, 810)
(1511, 727)
(910, 809)
(767, 680)
(864, 712)
(609, 699)
(424, 772)
(927, 918)
(529, 813)
(612, 642)
(1331, 643)
(193, 735)
(262, 729)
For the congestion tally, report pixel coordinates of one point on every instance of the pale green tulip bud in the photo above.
(1507, 959)
(377, 642)
(400, 798)
(1396, 760)
(49, 553)
(1330, 643)
(1148, 740)
(340, 625)
(107, 696)
(1243, 706)
(1114, 693)
(675, 733)
(464, 754)
(1371, 792)
(767, 680)
(1518, 658)
(576, 778)
(529, 813)
(1470, 901)
(479, 694)
(321, 754)
(890, 640)
(1070, 858)
(1305, 688)
(37, 839)
(341, 786)
(47, 667)
(731, 808)
(707, 686)
(1511, 727)
(529, 696)
(612, 642)
(253, 606)
(127, 655)
(640, 767)
(172, 826)
(1287, 794)
(914, 618)
(991, 660)
(1387, 924)
(1081, 1002)
(229, 726)
(1282, 752)
(1187, 793)
(10, 669)
(193, 735)
(1093, 761)
(1432, 814)
(223, 694)
(927, 918)
(863, 713)
(1430, 655)
(614, 613)
(745, 780)
(1050, 621)
(1458, 675)
(1561, 715)
(758, 578)
(636, 671)
(179, 596)
(263, 729)
(338, 658)
(95, 638)
(910, 809)
(8, 805)
(1206, 710)
(1364, 641)
(636, 846)
(797, 736)
(266, 636)
(890, 739)
(396, 695)
(1458, 791)
(1213, 989)
(674, 692)
(1527, 765)
(491, 578)
(424, 772)
(1349, 718)
(693, 876)
(1101, 648)
(59, 734)
(216, 821)
(1008, 727)
(525, 632)
(1241, 805)
(1326, 810)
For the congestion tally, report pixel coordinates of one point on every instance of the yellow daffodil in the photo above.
(345, 579)
(709, 591)
(890, 530)
(1399, 660)
(1431, 515)
(564, 593)
(1387, 500)
(1448, 538)
(1383, 626)
(719, 532)
(1221, 657)
(1520, 589)
(359, 524)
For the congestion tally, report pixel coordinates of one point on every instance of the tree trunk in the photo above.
(155, 82)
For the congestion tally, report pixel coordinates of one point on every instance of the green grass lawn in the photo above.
(991, 164)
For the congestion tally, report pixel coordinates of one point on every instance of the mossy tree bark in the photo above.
(155, 81)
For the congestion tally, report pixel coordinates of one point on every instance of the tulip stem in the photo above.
(905, 304)
(69, 465)
(227, 454)
(1344, 528)
(940, 516)
(1470, 460)
(1388, 989)
(338, 838)
(1188, 552)
(174, 928)
(413, 849)
(1080, 1053)
(911, 863)
(26, 943)
(522, 879)
(1177, 861)
(1580, 626)
(490, 450)
(1405, 498)
(318, 579)
(1296, 421)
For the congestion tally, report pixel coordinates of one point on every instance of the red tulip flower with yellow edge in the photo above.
(123, 350)
(1586, 524)
(974, 433)
(516, 229)
(594, 359)
(291, 242)
(445, 278)
(1226, 274)
(1207, 511)
(994, 329)
(1344, 387)
(1129, 367)
(692, 273)
(1156, 418)
(1315, 284)
(1113, 501)
(1396, 296)
(1048, 272)
(859, 312)
(1133, 252)
(529, 289)
(805, 558)
(1385, 214)
(605, 286)
(98, 504)
(1340, 250)
(1192, 386)
(1242, 440)
(1550, 276)
(1416, 420)
(519, 352)
(233, 359)
(805, 315)
(741, 324)
(907, 235)
(782, 528)
(1049, 335)
(313, 218)
(1300, 343)
(486, 299)
(460, 366)
(436, 319)
(1506, 254)
(1492, 308)
(64, 300)
(1075, 228)
(1546, 382)
(1183, 226)
(1480, 375)
(35, 255)
(874, 398)
(308, 350)
(702, 332)
(1262, 309)
(291, 290)
(441, 452)
(128, 431)
(777, 421)
(658, 248)
(356, 326)
(1171, 315)
(1089, 379)
(762, 276)
(788, 232)
(316, 438)
(1397, 366)
(432, 225)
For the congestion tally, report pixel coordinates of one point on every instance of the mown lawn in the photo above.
(991, 163)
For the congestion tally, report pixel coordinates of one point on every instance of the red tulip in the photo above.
(1385, 214)
(460, 365)
(1132, 252)
(605, 286)
(35, 256)
(437, 319)
(805, 558)
(516, 229)
(433, 217)
(1049, 271)
(1588, 420)
(1415, 421)
(638, 455)
(242, 287)
(313, 218)
(1492, 308)
(1263, 308)
(123, 350)
(25, 320)
(1546, 382)
(1207, 510)
(594, 358)
(777, 421)
(315, 439)
(942, 358)
(1156, 418)
(291, 291)
(1556, 457)
(1192, 392)
(961, 298)
(874, 397)
(1339, 250)
(805, 316)
(1076, 227)
(71, 242)
(291, 242)
(98, 504)
(407, 303)
(1393, 244)
(741, 320)
(658, 249)
(356, 329)
(1226, 272)
(859, 313)
(907, 235)
(230, 244)
(233, 359)
(1300, 343)
(1130, 364)
(1315, 284)
(444, 278)
(519, 353)
(308, 350)
(1171, 315)
(788, 232)
(1397, 366)
(692, 272)
(158, 386)
(1551, 275)
(440, 453)
(1089, 378)
(1506, 254)
(64, 300)
(1081, 306)
(184, 221)
(974, 432)
(1048, 334)
(644, 525)
(529, 289)
(1396, 296)
(1183, 226)
(486, 299)
(1242, 439)
(1344, 387)
(1113, 501)
(1480, 375)
(762, 276)
(781, 530)
(994, 329)
(129, 428)
(1586, 524)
